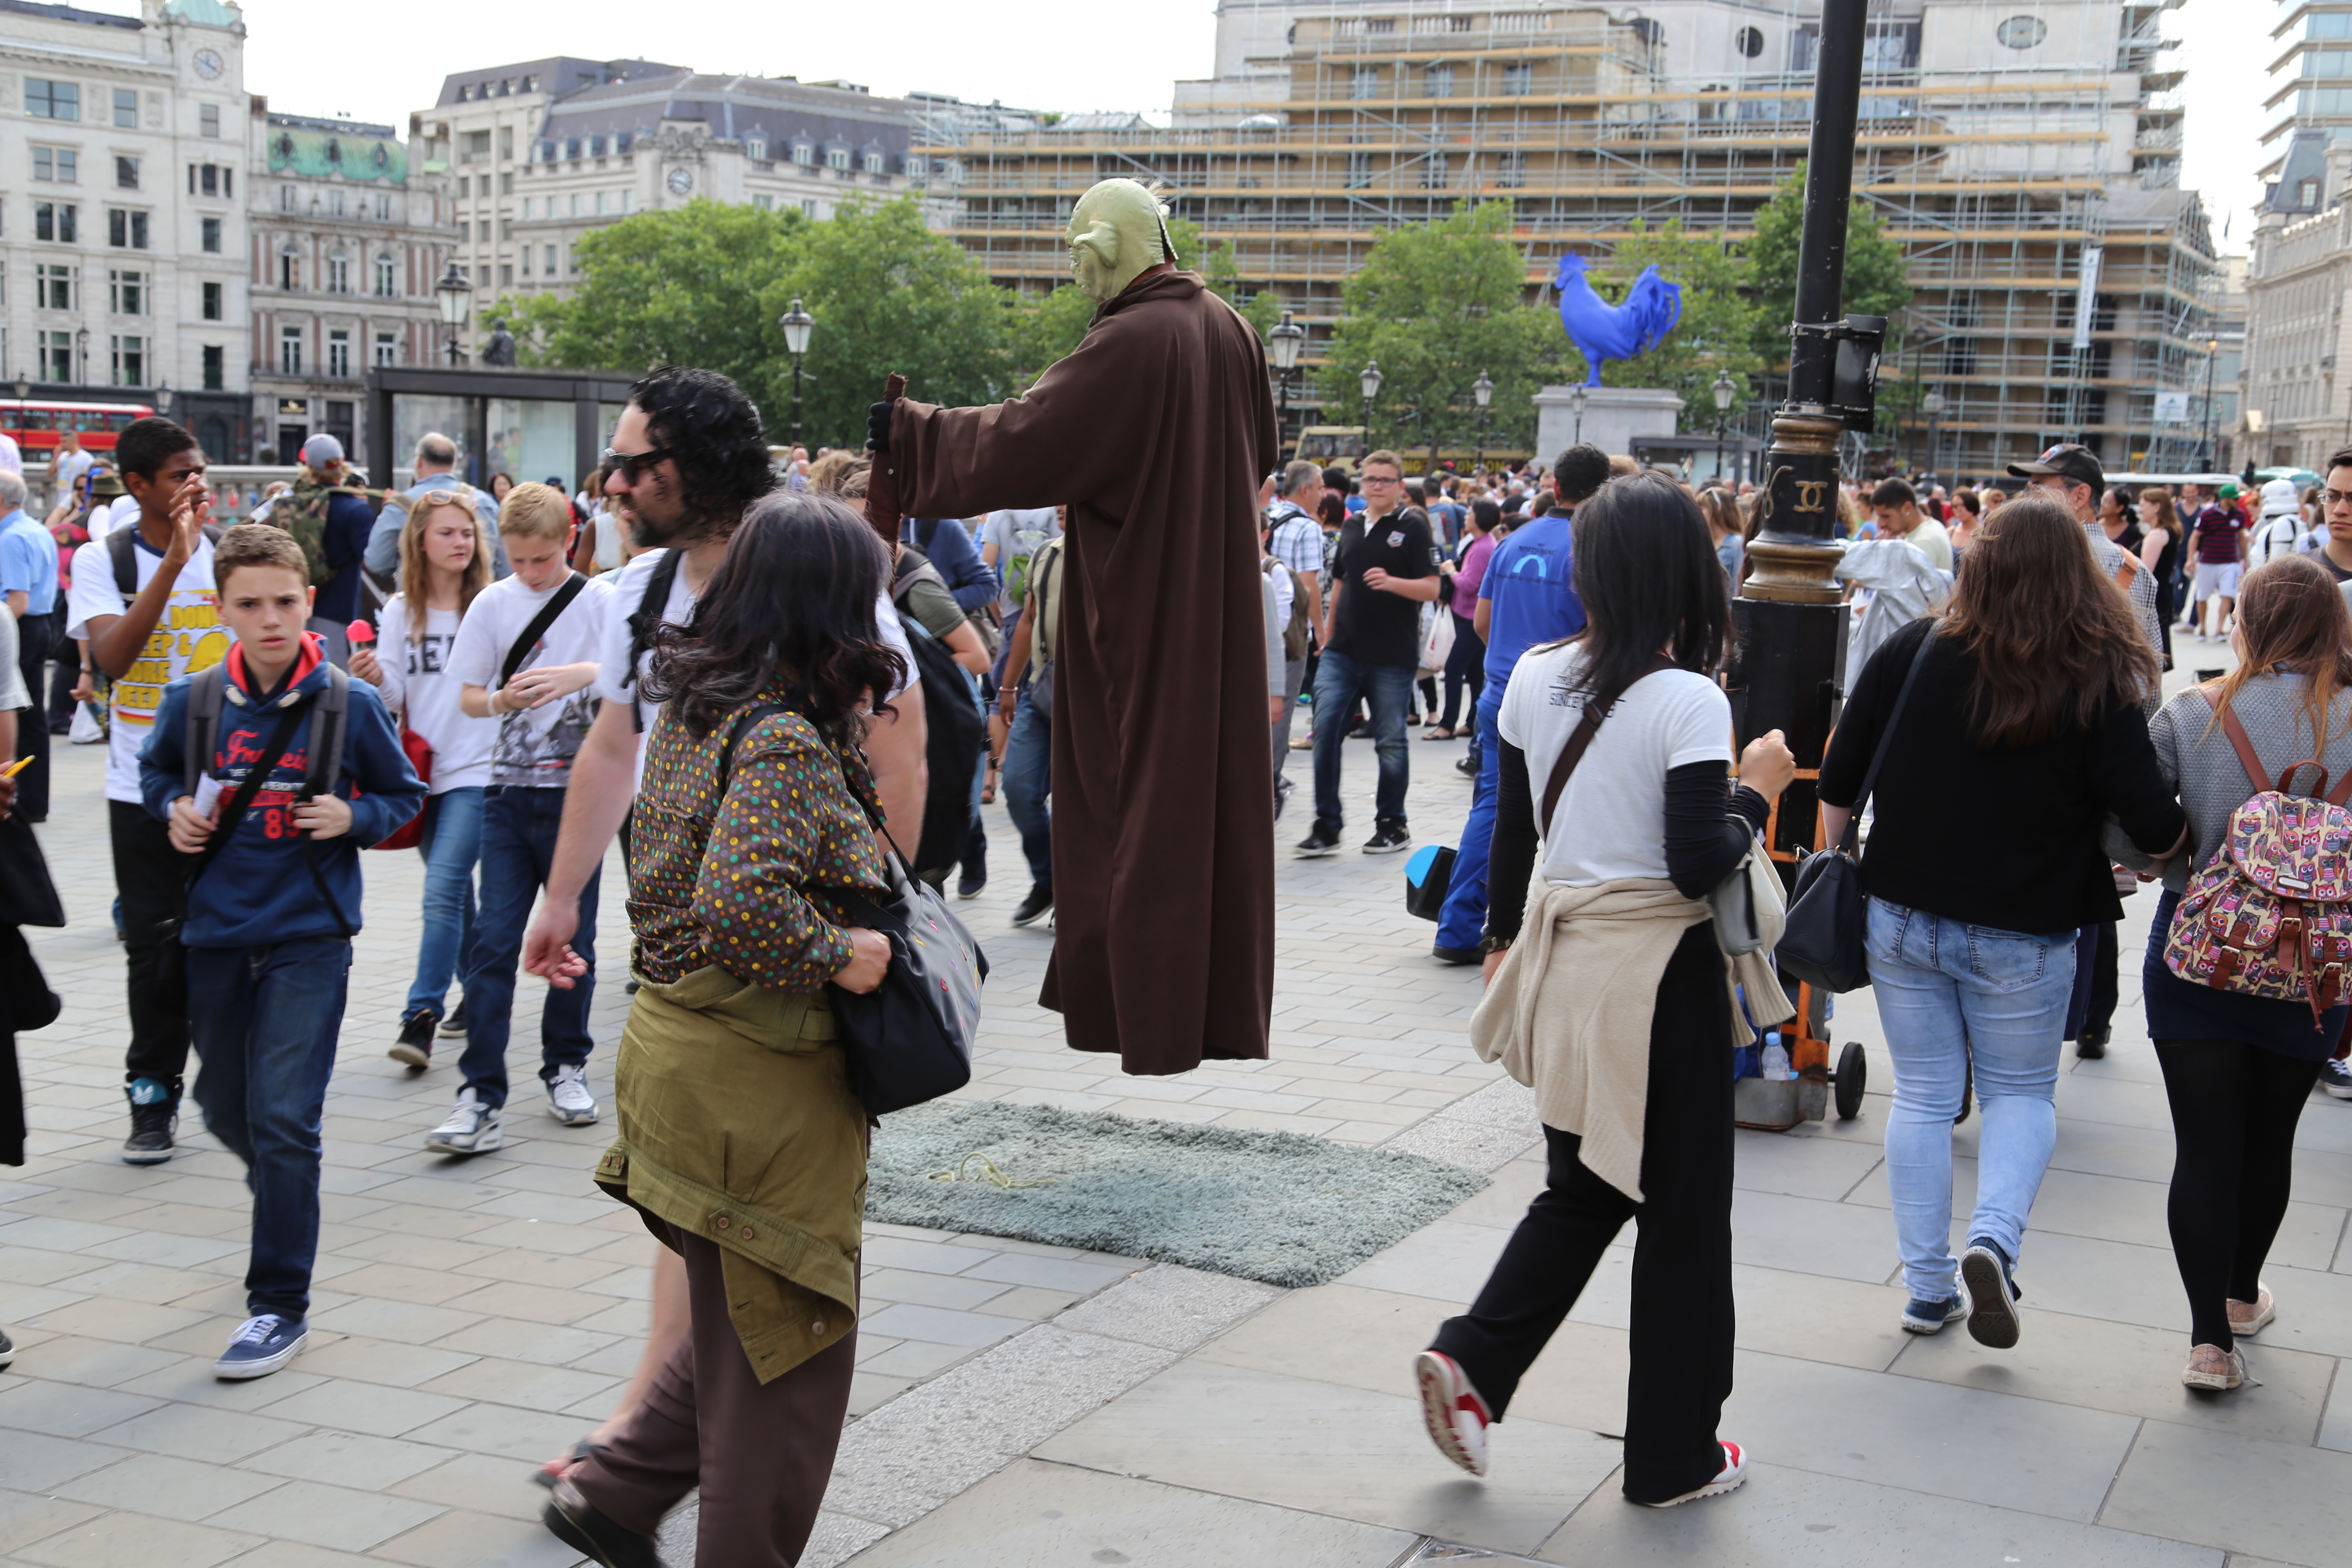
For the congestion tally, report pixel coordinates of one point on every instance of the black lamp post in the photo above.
(457, 300)
(24, 386)
(1283, 346)
(1371, 382)
(1933, 406)
(1481, 393)
(797, 324)
(1726, 392)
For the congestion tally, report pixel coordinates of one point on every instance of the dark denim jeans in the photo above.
(1028, 780)
(1339, 681)
(264, 1021)
(519, 827)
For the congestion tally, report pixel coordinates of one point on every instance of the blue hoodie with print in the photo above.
(256, 891)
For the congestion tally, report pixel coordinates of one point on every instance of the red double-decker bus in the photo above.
(36, 422)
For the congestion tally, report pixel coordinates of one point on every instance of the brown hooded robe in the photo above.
(1156, 431)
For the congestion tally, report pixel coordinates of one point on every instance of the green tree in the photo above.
(1714, 335)
(1876, 283)
(1436, 304)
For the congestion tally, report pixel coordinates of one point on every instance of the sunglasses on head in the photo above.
(627, 463)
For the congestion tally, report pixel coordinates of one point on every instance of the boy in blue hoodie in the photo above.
(274, 898)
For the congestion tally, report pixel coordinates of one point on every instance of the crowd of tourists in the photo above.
(709, 656)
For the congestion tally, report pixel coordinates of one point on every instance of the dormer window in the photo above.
(756, 149)
(2306, 194)
(873, 162)
(837, 158)
(803, 154)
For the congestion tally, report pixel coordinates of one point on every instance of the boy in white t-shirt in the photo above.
(526, 653)
(144, 600)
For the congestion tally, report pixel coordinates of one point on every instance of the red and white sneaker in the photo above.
(1729, 1478)
(1456, 1417)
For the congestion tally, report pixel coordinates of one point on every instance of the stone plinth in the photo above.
(1613, 415)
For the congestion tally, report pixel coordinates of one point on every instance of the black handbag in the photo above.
(1823, 941)
(910, 1038)
(27, 896)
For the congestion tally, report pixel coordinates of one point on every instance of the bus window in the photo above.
(119, 421)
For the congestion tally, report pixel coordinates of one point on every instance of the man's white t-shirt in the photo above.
(629, 592)
(188, 635)
(67, 467)
(535, 747)
(1932, 540)
(416, 677)
(1611, 818)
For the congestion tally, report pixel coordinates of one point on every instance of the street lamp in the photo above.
(164, 398)
(1482, 392)
(1576, 402)
(457, 297)
(1284, 342)
(1371, 382)
(796, 323)
(1932, 405)
(1726, 392)
(24, 386)
(2212, 353)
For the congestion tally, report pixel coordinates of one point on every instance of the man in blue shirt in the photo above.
(1528, 596)
(947, 546)
(29, 579)
(434, 466)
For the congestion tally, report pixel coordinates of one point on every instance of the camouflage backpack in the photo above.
(302, 512)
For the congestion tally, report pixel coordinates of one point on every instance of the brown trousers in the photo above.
(761, 1453)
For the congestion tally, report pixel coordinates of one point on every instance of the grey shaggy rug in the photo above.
(1278, 1207)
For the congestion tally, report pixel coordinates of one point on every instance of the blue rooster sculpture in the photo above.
(1601, 331)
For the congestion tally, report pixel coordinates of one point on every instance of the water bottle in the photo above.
(1775, 1058)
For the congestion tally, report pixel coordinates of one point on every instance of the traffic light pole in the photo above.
(1790, 622)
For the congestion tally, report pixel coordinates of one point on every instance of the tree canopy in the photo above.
(1876, 281)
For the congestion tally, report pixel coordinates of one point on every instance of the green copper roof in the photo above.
(321, 153)
(209, 13)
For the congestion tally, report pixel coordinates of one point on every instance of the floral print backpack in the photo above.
(2271, 914)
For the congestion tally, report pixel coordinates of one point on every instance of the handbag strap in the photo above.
(1581, 739)
(1878, 756)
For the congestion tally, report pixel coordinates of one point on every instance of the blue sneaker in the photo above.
(262, 1346)
(1992, 1294)
(1926, 1315)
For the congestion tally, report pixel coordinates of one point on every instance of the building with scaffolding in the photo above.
(2025, 152)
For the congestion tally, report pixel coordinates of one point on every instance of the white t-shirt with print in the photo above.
(535, 747)
(629, 592)
(188, 635)
(1611, 818)
(416, 679)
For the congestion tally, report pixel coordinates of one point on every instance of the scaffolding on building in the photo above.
(1998, 181)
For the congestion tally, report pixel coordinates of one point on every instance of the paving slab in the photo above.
(2239, 1493)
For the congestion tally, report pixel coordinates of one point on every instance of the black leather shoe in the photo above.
(1456, 955)
(2090, 1044)
(579, 1525)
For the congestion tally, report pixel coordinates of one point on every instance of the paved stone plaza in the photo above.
(1024, 1406)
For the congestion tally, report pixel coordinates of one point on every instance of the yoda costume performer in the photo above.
(1155, 431)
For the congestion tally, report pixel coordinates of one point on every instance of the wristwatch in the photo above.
(1492, 944)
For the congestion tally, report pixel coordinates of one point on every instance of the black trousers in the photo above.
(2101, 1010)
(2234, 1108)
(33, 635)
(152, 880)
(1683, 1315)
(66, 673)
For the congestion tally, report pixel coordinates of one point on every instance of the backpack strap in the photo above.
(206, 689)
(2251, 760)
(329, 724)
(121, 551)
(645, 619)
(1588, 727)
(557, 602)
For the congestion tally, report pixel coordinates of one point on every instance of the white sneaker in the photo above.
(568, 1096)
(472, 1129)
(1453, 1411)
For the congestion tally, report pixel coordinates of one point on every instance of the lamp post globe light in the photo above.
(455, 295)
(1371, 382)
(797, 324)
(1933, 406)
(1481, 393)
(1284, 343)
(164, 398)
(1726, 393)
(24, 386)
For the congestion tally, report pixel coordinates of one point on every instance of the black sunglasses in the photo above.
(628, 463)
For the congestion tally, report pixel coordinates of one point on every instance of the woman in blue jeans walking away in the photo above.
(2237, 1068)
(2025, 697)
(445, 560)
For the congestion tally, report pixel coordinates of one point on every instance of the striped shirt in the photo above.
(1296, 540)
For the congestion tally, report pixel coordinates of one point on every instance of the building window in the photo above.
(575, 203)
(386, 351)
(339, 273)
(385, 278)
(130, 361)
(335, 203)
(126, 173)
(216, 367)
(289, 269)
(216, 307)
(53, 288)
(596, 146)
(339, 353)
(285, 198)
(804, 154)
(52, 100)
(57, 221)
(126, 293)
(383, 207)
(207, 179)
(914, 165)
(53, 356)
(59, 165)
(550, 261)
(756, 149)
(506, 141)
(1748, 42)
(836, 158)
(1519, 79)
(208, 120)
(600, 204)
(289, 351)
(126, 109)
(1511, 169)
(211, 235)
(465, 232)
(874, 162)
(1366, 82)
(126, 230)
(506, 274)
(473, 147)
(1359, 171)
(1437, 81)
(2022, 32)
(764, 204)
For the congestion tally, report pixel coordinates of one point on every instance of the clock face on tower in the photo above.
(680, 181)
(208, 63)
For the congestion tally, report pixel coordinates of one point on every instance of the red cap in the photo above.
(360, 631)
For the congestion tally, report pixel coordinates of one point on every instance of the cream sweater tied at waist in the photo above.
(1568, 1012)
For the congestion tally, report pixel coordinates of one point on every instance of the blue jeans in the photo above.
(1339, 680)
(453, 842)
(1028, 780)
(1463, 920)
(264, 1021)
(519, 827)
(1948, 993)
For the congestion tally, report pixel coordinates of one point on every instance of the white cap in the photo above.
(2278, 498)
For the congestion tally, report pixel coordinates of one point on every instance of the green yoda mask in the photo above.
(1117, 231)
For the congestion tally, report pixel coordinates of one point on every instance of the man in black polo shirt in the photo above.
(1384, 572)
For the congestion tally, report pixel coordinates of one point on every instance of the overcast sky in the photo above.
(1059, 56)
